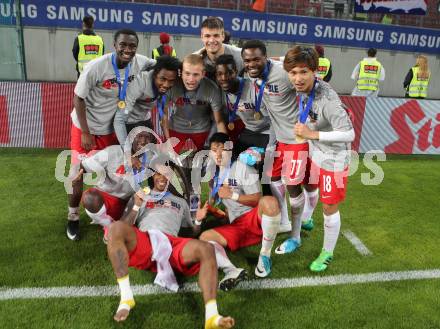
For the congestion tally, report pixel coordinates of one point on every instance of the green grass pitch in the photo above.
(397, 220)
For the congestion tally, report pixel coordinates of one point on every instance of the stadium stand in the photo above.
(316, 8)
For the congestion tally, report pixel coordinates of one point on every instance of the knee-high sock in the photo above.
(332, 225)
(222, 258)
(311, 200)
(125, 289)
(270, 226)
(279, 191)
(296, 207)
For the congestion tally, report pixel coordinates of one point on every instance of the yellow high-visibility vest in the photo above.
(323, 67)
(156, 53)
(90, 47)
(369, 73)
(418, 87)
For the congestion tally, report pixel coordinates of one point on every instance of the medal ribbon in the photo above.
(304, 112)
(218, 182)
(259, 97)
(232, 110)
(122, 92)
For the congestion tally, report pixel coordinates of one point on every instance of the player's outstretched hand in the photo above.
(122, 315)
(202, 212)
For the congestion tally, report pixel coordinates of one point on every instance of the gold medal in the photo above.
(299, 139)
(146, 190)
(121, 105)
(257, 116)
(231, 126)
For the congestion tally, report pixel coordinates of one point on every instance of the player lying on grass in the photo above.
(253, 219)
(330, 132)
(163, 211)
(161, 252)
(106, 202)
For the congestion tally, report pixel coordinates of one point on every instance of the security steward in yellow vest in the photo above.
(415, 86)
(87, 45)
(324, 70)
(367, 74)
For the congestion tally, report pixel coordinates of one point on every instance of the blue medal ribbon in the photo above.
(218, 182)
(232, 109)
(304, 112)
(259, 97)
(122, 91)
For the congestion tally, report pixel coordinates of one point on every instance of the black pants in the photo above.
(131, 126)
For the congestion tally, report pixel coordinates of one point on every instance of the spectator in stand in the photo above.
(417, 80)
(339, 8)
(164, 48)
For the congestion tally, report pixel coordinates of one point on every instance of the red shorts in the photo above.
(292, 163)
(332, 185)
(140, 256)
(101, 141)
(198, 139)
(243, 232)
(114, 205)
(234, 134)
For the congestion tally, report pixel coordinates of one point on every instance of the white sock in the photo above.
(211, 310)
(270, 226)
(73, 210)
(124, 287)
(332, 225)
(310, 203)
(223, 261)
(296, 208)
(279, 191)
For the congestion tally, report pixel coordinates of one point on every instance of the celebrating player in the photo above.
(252, 218)
(148, 89)
(192, 104)
(329, 130)
(99, 92)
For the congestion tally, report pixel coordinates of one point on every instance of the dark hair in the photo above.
(227, 37)
(212, 22)
(168, 63)
(320, 50)
(372, 52)
(88, 21)
(125, 31)
(226, 60)
(219, 138)
(251, 44)
(301, 55)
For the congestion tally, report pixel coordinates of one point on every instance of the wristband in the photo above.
(136, 208)
(198, 222)
(235, 196)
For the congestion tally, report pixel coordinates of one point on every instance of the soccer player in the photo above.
(253, 219)
(170, 214)
(330, 132)
(290, 163)
(239, 97)
(99, 92)
(148, 89)
(213, 35)
(106, 202)
(129, 247)
(192, 104)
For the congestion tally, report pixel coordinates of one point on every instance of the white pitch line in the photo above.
(149, 289)
(357, 243)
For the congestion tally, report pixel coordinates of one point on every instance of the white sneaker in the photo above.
(285, 227)
(232, 279)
